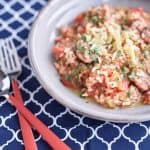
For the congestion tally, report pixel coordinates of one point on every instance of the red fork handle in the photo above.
(28, 138)
(26, 130)
(46, 133)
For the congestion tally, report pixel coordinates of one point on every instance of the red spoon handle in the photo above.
(26, 130)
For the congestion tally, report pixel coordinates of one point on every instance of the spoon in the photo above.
(4, 84)
(48, 135)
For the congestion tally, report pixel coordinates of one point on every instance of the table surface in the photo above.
(79, 132)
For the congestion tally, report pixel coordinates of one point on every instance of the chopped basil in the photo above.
(119, 53)
(81, 95)
(75, 74)
(132, 76)
(96, 50)
(97, 19)
(87, 37)
(90, 52)
(88, 18)
(124, 70)
(88, 65)
(77, 70)
(129, 93)
(70, 78)
(124, 21)
(95, 59)
(84, 38)
(80, 48)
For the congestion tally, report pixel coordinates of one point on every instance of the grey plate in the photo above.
(41, 40)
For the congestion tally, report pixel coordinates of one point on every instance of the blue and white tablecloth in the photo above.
(79, 132)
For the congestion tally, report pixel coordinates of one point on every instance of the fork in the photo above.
(11, 66)
(9, 61)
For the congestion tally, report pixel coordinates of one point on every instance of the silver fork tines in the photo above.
(9, 61)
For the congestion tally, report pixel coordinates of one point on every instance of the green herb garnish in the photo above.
(90, 52)
(96, 20)
(95, 59)
(88, 65)
(119, 53)
(81, 95)
(132, 76)
(96, 50)
(80, 48)
(76, 72)
(84, 38)
(129, 93)
(88, 18)
(70, 78)
(124, 21)
(124, 71)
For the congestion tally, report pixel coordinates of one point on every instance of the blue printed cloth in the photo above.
(79, 132)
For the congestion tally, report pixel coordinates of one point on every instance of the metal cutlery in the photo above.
(10, 66)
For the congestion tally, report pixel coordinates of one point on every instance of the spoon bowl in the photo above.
(4, 83)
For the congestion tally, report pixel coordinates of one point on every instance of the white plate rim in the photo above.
(103, 116)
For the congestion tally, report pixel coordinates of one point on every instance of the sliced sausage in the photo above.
(147, 65)
(135, 13)
(107, 11)
(142, 80)
(139, 24)
(146, 34)
(146, 98)
(133, 94)
(67, 31)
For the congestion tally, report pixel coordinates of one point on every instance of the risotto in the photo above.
(105, 55)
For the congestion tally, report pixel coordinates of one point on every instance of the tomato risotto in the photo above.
(105, 55)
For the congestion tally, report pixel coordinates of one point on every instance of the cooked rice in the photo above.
(105, 54)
